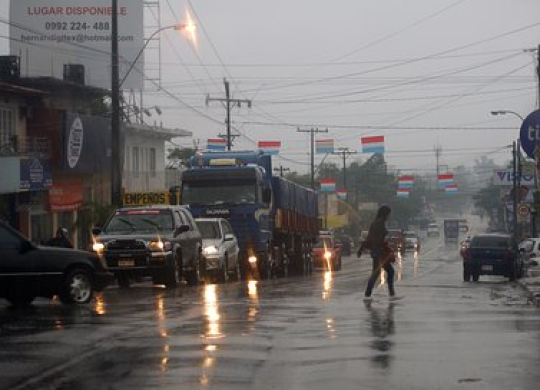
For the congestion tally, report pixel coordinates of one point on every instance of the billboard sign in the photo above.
(35, 174)
(506, 178)
(49, 34)
(87, 144)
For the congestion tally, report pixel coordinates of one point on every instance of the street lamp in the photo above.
(504, 112)
(116, 163)
(516, 167)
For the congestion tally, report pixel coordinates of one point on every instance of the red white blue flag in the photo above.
(270, 147)
(328, 185)
(341, 194)
(445, 180)
(324, 146)
(405, 181)
(217, 144)
(403, 192)
(451, 189)
(374, 144)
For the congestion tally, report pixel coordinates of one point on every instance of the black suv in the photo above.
(163, 242)
(28, 271)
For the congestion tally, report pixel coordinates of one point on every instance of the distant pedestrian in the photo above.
(61, 239)
(381, 253)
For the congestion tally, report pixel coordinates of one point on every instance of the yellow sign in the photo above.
(145, 198)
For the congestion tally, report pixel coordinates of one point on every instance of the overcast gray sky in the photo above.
(420, 72)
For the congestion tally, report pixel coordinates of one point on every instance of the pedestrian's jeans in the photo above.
(379, 263)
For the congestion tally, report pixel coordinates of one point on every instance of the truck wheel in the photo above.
(173, 272)
(123, 279)
(512, 275)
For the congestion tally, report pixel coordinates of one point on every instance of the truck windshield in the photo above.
(216, 193)
(139, 220)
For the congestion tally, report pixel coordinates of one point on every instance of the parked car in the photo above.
(492, 254)
(163, 242)
(220, 249)
(412, 241)
(530, 249)
(28, 271)
(433, 230)
(326, 253)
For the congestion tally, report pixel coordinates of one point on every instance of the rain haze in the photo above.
(420, 72)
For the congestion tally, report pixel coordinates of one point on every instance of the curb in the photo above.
(533, 294)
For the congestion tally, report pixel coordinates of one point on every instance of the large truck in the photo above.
(451, 231)
(275, 220)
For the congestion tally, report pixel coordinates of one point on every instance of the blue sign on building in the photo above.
(530, 133)
(36, 174)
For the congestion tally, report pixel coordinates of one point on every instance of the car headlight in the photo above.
(98, 247)
(327, 255)
(160, 245)
(252, 259)
(210, 250)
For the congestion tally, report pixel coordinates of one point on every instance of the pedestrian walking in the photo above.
(381, 253)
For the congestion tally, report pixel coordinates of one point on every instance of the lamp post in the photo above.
(116, 84)
(516, 181)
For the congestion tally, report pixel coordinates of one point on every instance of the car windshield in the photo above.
(209, 229)
(128, 221)
(409, 235)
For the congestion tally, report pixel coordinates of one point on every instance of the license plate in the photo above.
(487, 268)
(126, 263)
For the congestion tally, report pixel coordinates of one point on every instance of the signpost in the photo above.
(529, 135)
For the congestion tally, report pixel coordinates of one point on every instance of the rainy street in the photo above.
(311, 332)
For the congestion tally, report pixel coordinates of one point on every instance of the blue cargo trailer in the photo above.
(274, 219)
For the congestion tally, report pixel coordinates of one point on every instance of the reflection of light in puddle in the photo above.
(211, 348)
(211, 311)
(416, 258)
(162, 329)
(208, 362)
(99, 306)
(58, 325)
(327, 286)
(164, 362)
(253, 292)
(330, 327)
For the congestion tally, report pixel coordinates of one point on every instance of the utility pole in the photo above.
(228, 103)
(344, 152)
(312, 131)
(116, 153)
(281, 169)
(438, 152)
(514, 190)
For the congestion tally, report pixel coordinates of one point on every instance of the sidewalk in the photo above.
(531, 284)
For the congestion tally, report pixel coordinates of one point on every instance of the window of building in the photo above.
(7, 127)
(152, 162)
(135, 161)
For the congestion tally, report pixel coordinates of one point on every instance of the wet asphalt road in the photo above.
(311, 332)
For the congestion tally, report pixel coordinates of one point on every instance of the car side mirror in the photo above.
(181, 229)
(96, 231)
(228, 237)
(26, 246)
(267, 195)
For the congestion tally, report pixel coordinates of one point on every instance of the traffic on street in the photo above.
(298, 332)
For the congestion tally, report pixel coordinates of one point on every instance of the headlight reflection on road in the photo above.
(416, 262)
(162, 329)
(211, 311)
(330, 327)
(327, 286)
(99, 306)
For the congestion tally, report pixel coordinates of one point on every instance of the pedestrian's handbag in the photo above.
(366, 244)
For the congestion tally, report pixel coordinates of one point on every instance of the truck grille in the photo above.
(126, 245)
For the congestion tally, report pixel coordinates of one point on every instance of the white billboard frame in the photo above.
(55, 33)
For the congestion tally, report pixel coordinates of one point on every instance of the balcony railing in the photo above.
(25, 146)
